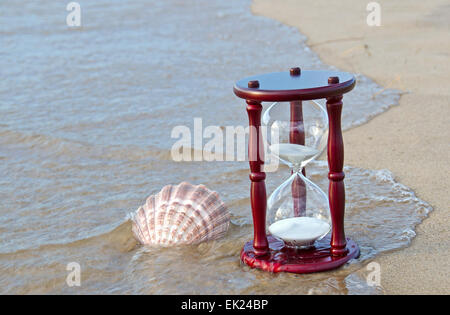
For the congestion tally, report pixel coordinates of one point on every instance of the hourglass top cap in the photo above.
(294, 85)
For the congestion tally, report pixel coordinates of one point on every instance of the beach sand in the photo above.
(408, 52)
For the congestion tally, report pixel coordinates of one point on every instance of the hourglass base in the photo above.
(281, 258)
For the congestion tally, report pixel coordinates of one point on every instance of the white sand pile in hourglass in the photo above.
(294, 153)
(299, 231)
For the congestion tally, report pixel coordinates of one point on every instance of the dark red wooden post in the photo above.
(297, 136)
(299, 196)
(258, 196)
(336, 190)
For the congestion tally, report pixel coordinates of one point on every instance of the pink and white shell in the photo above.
(181, 214)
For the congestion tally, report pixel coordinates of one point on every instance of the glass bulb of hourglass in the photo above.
(298, 210)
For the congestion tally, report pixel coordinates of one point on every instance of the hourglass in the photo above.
(298, 215)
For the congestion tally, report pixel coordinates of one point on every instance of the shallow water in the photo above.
(86, 137)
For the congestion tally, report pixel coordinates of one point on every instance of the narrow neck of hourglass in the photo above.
(297, 168)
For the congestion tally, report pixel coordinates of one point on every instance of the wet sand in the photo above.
(409, 52)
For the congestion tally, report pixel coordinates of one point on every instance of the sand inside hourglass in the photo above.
(294, 153)
(299, 231)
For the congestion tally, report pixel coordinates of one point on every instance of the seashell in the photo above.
(181, 214)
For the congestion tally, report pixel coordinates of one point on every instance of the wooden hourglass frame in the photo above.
(269, 253)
